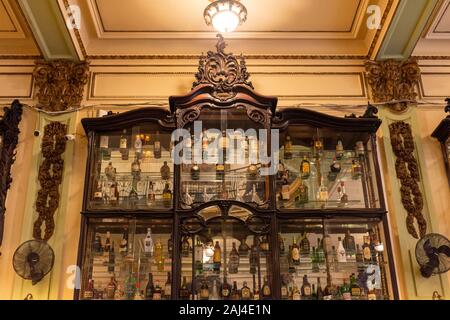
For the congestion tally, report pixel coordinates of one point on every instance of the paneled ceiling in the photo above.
(281, 27)
(15, 36)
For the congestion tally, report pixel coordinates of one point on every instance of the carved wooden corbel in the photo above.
(60, 84)
(9, 127)
(392, 81)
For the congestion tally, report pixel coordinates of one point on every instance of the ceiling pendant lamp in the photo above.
(225, 15)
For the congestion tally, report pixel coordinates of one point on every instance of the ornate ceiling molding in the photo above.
(223, 71)
(60, 84)
(392, 81)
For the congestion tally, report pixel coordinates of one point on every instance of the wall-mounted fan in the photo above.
(33, 260)
(433, 254)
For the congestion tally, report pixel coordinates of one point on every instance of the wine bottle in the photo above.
(165, 171)
(151, 196)
(256, 295)
(217, 258)
(305, 246)
(235, 292)
(343, 197)
(305, 169)
(157, 294)
(150, 288)
(306, 288)
(99, 191)
(341, 253)
(246, 293)
(359, 255)
(320, 252)
(234, 260)
(288, 148)
(159, 258)
(157, 152)
(320, 292)
(204, 291)
(226, 290)
(124, 146)
(303, 196)
(318, 147)
(148, 243)
(296, 295)
(266, 291)
(168, 287)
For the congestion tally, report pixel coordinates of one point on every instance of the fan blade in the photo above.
(444, 250)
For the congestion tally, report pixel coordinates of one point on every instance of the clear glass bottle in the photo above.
(215, 292)
(322, 194)
(341, 253)
(148, 243)
(138, 146)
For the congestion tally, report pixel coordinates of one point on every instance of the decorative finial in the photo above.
(371, 111)
(221, 45)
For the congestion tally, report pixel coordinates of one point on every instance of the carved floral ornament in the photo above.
(60, 84)
(223, 71)
(393, 81)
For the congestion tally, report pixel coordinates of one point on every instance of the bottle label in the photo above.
(347, 296)
(307, 291)
(88, 294)
(123, 143)
(204, 294)
(225, 292)
(157, 146)
(356, 292)
(372, 296)
(305, 167)
(168, 290)
(296, 296)
(157, 296)
(329, 297)
(246, 293)
(266, 291)
(295, 254)
(285, 192)
(284, 291)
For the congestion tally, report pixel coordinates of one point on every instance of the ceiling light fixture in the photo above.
(225, 15)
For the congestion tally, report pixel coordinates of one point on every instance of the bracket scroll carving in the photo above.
(10, 138)
(408, 173)
(60, 84)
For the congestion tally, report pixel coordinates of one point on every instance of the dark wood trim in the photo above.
(9, 126)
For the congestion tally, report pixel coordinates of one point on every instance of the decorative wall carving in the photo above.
(223, 71)
(60, 84)
(9, 127)
(407, 170)
(393, 80)
(50, 178)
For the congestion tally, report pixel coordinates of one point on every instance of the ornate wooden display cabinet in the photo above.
(199, 192)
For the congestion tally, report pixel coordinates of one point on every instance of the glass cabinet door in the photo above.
(127, 259)
(333, 259)
(226, 259)
(324, 169)
(132, 170)
(222, 160)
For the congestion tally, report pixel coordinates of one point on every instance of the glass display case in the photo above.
(442, 133)
(254, 203)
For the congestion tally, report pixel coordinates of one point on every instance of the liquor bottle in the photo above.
(89, 291)
(256, 295)
(314, 260)
(168, 287)
(303, 196)
(170, 245)
(111, 259)
(322, 194)
(281, 244)
(98, 247)
(320, 292)
(98, 193)
(184, 291)
(198, 256)
(305, 169)
(296, 295)
(151, 196)
(246, 293)
(123, 248)
(110, 172)
(314, 293)
(111, 289)
(157, 294)
(328, 292)
(320, 253)
(217, 259)
(220, 171)
(295, 253)
(345, 291)
(306, 288)
(339, 150)
(343, 197)
(138, 147)
(360, 149)
(185, 247)
(356, 170)
(157, 152)
(214, 293)
(150, 288)
(288, 148)
(266, 291)
(165, 171)
(359, 255)
(254, 256)
(354, 287)
(305, 246)
(104, 148)
(204, 291)
(284, 292)
(235, 292)
(349, 245)
(367, 253)
(318, 147)
(335, 166)
(195, 172)
(124, 146)
(226, 290)
(130, 286)
(167, 196)
(114, 195)
(341, 253)
(234, 260)
(334, 259)
(159, 258)
(148, 243)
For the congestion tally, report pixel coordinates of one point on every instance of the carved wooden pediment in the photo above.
(60, 84)
(223, 71)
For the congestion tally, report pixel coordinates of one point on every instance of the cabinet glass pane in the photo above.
(223, 160)
(128, 259)
(132, 170)
(323, 169)
(333, 259)
(226, 261)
